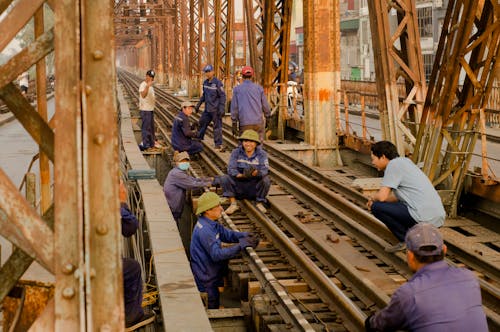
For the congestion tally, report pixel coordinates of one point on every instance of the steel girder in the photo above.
(469, 49)
(195, 46)
(83, 248)
(398, 56)
(254, 15)
(223, 41)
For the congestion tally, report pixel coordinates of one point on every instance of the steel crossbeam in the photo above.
(469, 48)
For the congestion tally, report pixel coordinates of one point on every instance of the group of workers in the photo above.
(437, 298)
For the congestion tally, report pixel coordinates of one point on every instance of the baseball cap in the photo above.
(181, 156)
(247, 71)
(424, 235)
(187, 104)
(208, 68)
(151, 73)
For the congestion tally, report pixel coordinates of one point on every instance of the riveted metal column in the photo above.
(254, 13)
(68, 197)
(322, 78)
(102, 232)
(194, 48)
(41, 100)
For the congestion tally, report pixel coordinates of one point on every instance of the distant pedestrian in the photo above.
(24, 83)
(184, 135)
(178, 181)
(249, 106)
(209, 258)
(146, 108)
(406, 196)
(247, 173)
(437, 297)
(214, 98)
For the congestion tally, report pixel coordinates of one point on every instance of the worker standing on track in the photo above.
(214, 98)
(178, 181)
(406, 196)
(146, 108)
(132, 275)
(247, 173)
(208, 257)
(184, 135)
(437, 297)
(249, 106)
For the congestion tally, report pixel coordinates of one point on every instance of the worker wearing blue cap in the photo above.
(214, 98)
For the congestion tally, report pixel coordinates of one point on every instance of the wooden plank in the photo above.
(22, 226)
(29, 118)
(20, 14)
(23, 60)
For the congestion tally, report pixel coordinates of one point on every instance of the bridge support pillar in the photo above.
(322, 78)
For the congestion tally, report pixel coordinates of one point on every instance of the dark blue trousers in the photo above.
(148, 129)
(206, 118)
(253, 188)
(194, 147)
(395, 216)
(132, 289)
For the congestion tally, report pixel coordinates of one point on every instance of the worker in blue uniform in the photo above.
(208, 257)
(437, 297)
(214, 98)
(132, 275)
(178, 181)
(249, 106)
(184, 135)
(247, 173)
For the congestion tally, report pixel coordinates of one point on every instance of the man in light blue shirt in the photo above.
(406, 196)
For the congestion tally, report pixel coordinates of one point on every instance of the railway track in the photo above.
(318, 230)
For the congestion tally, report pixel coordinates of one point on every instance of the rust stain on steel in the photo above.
(37, 295)
(324, 94)
(23, 226)
(177, 285)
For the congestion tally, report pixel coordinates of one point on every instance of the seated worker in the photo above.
(406, 196)
(183, 133)
(178, 181)
(247, 173)
(132, 279)
(437, 297)
(208, 257)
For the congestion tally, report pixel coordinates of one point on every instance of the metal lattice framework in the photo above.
(469, 49)
(223, 37)
(80, 243)
(195, 45)
(254, 17)
(398, 57)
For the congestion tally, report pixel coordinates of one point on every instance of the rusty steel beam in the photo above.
(23, 226)
(29, 118)
(17, 18)
(195, 46)
(41, 100)
(469, 46)
(102, 231)
(19, 261)
(23, 60)
(398, 56)
(68, 196)
(254, 16)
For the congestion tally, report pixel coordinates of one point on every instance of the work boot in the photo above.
(261, 207)
(395, 248)
(232, 208)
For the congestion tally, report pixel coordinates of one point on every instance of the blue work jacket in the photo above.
(182, 133)
(130, 224)
(175, 186)
(208, 258)
(437, 298)
(213, 96)
(249, 104)
(239, 161)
